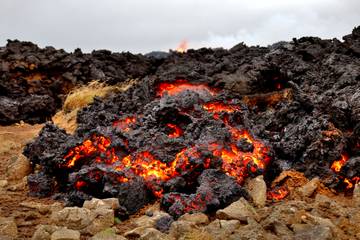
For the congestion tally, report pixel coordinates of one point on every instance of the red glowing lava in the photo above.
(97, 144)
(178, 86)
(177, 132)
(235, 162)
(337, 166)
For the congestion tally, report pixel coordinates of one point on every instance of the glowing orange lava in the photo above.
(87, 148)
(337, 165)
(178, 86)
(183, 46)
(177, 132)
(236, 163)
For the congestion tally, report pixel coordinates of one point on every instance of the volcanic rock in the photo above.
(216, 190)
(163, 223)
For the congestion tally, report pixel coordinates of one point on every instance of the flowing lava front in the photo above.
(236, 162)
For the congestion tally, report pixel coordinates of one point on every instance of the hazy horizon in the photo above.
(141, 26)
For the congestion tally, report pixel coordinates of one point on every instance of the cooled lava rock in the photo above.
(232, 114)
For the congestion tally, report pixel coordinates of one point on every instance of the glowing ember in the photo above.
(97, 144)
(183, 46)
(176, 87)
(337, 165)
(124, 124)
(80, 184)
(278, 193)
(177, 132)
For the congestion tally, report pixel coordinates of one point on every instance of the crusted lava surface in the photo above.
(201, 122)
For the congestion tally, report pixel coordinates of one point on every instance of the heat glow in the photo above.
(154, 171)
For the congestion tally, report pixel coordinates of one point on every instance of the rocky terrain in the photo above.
(290, 113)
(310, 211)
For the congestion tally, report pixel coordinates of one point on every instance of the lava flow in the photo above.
(237, 157)
(337, 166)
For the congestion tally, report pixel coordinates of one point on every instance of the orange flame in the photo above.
(178, 86)
(183, 46)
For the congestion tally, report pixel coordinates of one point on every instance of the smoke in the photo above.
(143, 26)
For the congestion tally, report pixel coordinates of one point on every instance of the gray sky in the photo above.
(146, 25)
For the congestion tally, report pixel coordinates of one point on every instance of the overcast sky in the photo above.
(146, 25)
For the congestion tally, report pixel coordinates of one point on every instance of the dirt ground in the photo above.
(12, 140)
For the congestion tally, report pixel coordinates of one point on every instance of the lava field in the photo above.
(196, 124)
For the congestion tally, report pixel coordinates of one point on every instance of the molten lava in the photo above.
(236, 162)
(337, 165)
(177, 132)
(97, 144)
(176, 87)
(183, 46)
